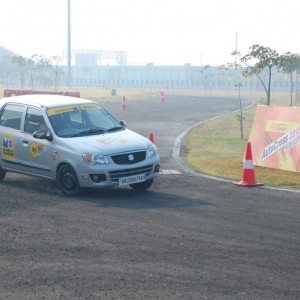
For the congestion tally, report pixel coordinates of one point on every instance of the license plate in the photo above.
(132, 179)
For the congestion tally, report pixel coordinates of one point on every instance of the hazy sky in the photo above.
(171, 32)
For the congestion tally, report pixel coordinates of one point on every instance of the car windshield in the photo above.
(81, 120)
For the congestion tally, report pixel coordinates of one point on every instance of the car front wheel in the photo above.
(67, 180)
(140, 186)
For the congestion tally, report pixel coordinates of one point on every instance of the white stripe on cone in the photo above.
(248, 164)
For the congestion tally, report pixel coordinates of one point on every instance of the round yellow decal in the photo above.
(37, 149)
(33, 149)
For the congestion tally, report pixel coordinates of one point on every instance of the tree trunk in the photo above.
(241, 112)
(292, 88)
(261, 81)
(269, 85)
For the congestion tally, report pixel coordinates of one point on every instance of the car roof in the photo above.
(46, 101)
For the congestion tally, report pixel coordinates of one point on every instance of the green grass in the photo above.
(216, 148)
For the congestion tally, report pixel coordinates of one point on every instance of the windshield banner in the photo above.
(68, 108)
(275, 137)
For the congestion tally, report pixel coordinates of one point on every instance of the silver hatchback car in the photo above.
(73, 141)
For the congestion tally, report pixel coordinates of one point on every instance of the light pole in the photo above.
(69, 45)
(236, 49)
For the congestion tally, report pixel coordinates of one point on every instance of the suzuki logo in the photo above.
(130, 157)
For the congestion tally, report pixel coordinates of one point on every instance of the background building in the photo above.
(108, 69)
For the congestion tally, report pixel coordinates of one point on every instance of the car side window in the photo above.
(34, 121)
(11, 116)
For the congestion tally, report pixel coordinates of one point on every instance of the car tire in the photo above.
(2, 173)
(141, 186)
(67, 180)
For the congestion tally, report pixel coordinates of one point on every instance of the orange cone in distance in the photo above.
(123, 105)
(151, 137)
(248, 176)
(162, 97)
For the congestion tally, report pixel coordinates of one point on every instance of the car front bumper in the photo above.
(108, 175)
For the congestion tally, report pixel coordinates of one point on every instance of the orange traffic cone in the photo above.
(151, 137)
(248, 176)
(123, 105)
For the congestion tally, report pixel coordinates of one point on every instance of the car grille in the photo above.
(115, 175)
(129, 158)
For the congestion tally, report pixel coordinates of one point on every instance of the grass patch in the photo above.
(215, 148)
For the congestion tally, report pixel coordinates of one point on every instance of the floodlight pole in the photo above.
(236, 49)
(69, 46)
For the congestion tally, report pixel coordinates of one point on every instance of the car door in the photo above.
(37, 152)
(12, 152)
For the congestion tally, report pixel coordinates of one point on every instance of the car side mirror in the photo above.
(123, 123)
(43, 135)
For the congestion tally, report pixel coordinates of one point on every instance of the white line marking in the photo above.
(248, 164)
(169, 172)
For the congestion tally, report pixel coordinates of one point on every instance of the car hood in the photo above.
(110, 143)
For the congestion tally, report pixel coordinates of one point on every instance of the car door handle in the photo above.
(24, 141)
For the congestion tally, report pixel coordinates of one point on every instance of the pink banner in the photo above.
(275, 137)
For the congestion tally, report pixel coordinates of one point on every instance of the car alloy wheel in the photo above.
(67, 180)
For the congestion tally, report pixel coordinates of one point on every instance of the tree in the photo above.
(239, 116)
(206, 74)
(21, 63)
(290, 63)
(7, 71)
(31, 64)
(259, 59)
(57, 72)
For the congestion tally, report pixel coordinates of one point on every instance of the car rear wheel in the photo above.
(140, 186)
(2, 173)
(67, 180)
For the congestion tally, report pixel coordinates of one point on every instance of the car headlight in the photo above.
(93, 159)
(151, 151)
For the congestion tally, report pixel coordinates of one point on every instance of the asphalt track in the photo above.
(188, 237)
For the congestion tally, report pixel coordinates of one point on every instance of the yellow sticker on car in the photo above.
(8, 147)
(36, 149)
(63, 109)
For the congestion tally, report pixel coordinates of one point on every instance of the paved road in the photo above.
(186, 238)
(168, 120)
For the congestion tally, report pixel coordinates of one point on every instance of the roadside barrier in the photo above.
(151, 137)
(248, 176)
(11, 93)
(123, 104)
